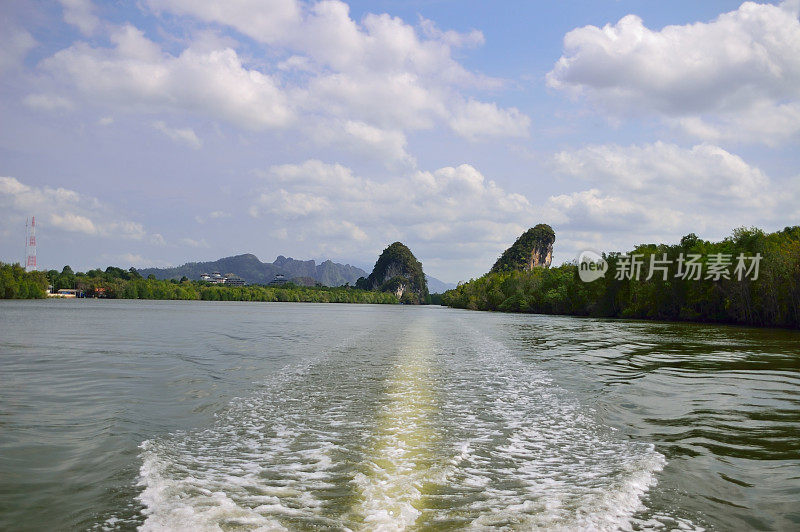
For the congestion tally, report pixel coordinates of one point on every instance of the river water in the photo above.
(117, 415)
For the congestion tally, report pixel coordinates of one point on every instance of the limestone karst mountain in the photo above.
(398, 271)
(533, 249)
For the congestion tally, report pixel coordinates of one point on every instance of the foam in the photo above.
(536, 458)
(399, 462)
(452, 430)
(242, 472)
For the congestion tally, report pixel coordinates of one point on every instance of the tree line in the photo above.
(117, 283)
(16, 283)
(771, 299)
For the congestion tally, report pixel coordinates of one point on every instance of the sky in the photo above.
(158, 132)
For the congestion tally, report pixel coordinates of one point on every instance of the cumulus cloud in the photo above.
(764, 122)
(263, 20)
(136, 73)
(63, 209)
(433, 210)
(80, 13)
(386, 144)
(73, 222)
(377, 78)
(477, 119)
(659, 192)
(668, 173)
(16, 45)
(452, 38)
(184, 135)
(736, 77)
(625, 195)
(292, 205)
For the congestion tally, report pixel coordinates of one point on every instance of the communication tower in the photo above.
(30, 244)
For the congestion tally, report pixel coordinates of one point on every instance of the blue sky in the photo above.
(164, 131)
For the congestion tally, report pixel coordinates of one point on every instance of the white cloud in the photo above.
(668, 173)
(291, 205)
(730, 78)
(73, 222)
(763, 122)
(263, 20)
(379, 77)
(477, 119)
(386, 144)
(80, 14)
(136, 73)
(63, 209)
(454, 216)
(344, 230)
(659, 192)
(432, 211)
(47, 102)
(452, 38)
(185, 135)
(213, 215)
(195, 243)
(16, 45)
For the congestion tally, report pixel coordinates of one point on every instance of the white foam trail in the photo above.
(400, 463)
(534, 457)
(261, 464)
(449, 430)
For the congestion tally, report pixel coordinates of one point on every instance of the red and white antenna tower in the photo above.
(30, 244)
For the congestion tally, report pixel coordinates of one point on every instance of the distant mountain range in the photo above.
(435, 286)
(253, 271)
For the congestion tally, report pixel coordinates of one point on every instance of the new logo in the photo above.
(591, 266)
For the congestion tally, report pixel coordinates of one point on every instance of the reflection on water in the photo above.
(286, 416)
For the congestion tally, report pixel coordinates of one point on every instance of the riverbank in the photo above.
(768, 296)
(116, 283)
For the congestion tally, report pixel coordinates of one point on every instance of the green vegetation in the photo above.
(771, 300)
(398, 271)
(116, 283)
(534, 245)
(16, 283)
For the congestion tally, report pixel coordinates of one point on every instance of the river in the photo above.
(117, 415)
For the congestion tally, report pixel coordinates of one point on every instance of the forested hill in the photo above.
(252, 270)
(398, 271)
(749, 278)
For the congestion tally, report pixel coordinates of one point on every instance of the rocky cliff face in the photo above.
(533, 249)
(541, 256)
(399, 272)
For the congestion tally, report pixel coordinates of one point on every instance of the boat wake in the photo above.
(403, 429)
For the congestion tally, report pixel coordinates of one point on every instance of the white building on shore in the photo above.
(230, 279)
